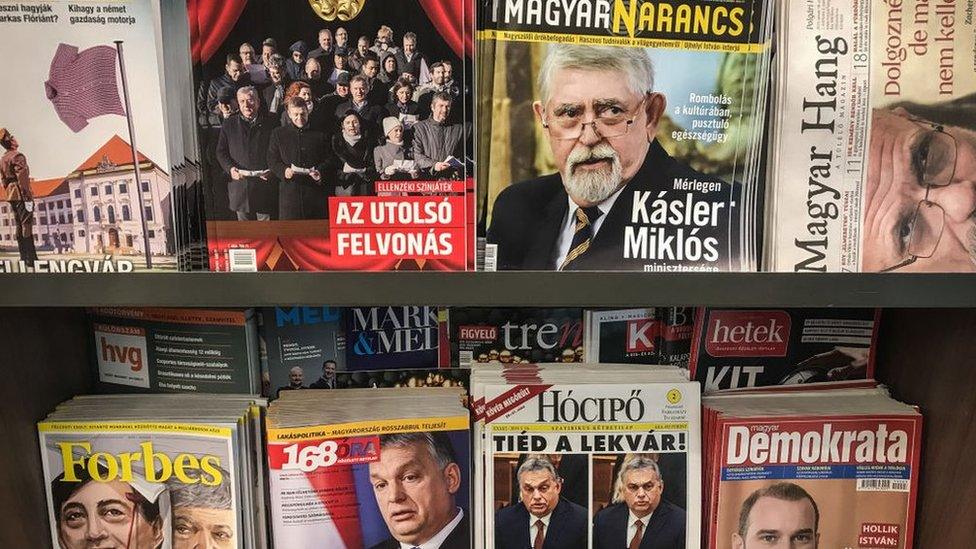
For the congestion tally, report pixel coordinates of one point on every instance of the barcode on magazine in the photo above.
(465, 358)
(243, 260)
(882, 485)
(490, 260)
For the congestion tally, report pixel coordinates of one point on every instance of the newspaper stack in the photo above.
(740, 348)
(823, 468)
(565, 453)
(155, 471)
(364, 468)
(871, 153)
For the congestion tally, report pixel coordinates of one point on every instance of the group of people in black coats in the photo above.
(284, 133)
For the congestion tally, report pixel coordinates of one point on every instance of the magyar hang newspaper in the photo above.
(145, 481)
(672, 163)
(587, 456)
(874, 161)
(849, 482)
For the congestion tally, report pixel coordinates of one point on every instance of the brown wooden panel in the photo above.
(927, 358)
(44, 361)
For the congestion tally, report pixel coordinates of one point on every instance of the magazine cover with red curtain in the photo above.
(335, 135)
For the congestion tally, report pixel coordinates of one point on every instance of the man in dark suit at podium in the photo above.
(542, 520)
(642, 520)
(415, 482)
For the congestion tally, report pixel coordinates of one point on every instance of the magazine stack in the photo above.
(742, 348)
(656, 335)
(622, 135)
(90, 140)
(155, 471)
(335, 135)
(564, 454)
(823, 468)
(871, 154)
(368, 468)
(159, 350)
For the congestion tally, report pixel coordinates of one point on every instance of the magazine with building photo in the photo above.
(625, 135)
(741, 348)
(872, 149)
(515, 335)
(85, 166)
(336, 135)
(824, 469)
(569, 457)
(139, 474)
(175, 350)
(375, 468)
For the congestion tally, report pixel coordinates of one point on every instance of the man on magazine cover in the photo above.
(639, 518)
(600, 115)
(328, 379)
(203, 516)
(415, 483)
(15, 174)
(779, 515)
(242, 150)
(542, 519)
(920, 193)
(296, 380)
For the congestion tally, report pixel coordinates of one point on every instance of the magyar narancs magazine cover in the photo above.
(873, 143)
(624, 135)
(84, 162)
(336, 135)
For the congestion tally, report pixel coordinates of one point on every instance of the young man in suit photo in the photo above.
(600, 115)
(542, 519)
(639, 518)
(415, 482)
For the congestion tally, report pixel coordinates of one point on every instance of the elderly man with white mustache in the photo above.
(600, 114)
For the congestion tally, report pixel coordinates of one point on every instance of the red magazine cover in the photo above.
(842, 481)
(336, 136)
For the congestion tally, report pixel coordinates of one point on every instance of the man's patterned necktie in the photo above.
(582, 234)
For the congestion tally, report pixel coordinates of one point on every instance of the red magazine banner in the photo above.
(823, 441)
(414, 225)
(309, 455)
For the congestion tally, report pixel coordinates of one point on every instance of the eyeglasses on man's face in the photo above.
(611, 119)
(933, 163)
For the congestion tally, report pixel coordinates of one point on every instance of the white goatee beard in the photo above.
(592, 186)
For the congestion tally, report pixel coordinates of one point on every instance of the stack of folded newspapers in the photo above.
(363, 468)
(155, 471)
(823, 467)
(557, 445)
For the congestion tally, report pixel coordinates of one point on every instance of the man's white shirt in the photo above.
(569, 224)
(632, 528)
(533, 531)
(436, 541)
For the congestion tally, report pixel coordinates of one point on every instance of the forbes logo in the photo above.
(747, 333)
(640, 335)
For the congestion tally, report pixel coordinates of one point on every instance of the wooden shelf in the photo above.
(537, 289)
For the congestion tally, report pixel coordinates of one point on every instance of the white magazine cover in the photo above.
(86, 166)
(583, 458)
(873, 149)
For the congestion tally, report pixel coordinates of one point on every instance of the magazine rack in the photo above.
(926, 349)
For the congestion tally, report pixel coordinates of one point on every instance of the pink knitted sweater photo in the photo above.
(83, 85)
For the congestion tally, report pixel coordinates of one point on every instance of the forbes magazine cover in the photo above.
(625, 135)
(335, 135)
(393, 481)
